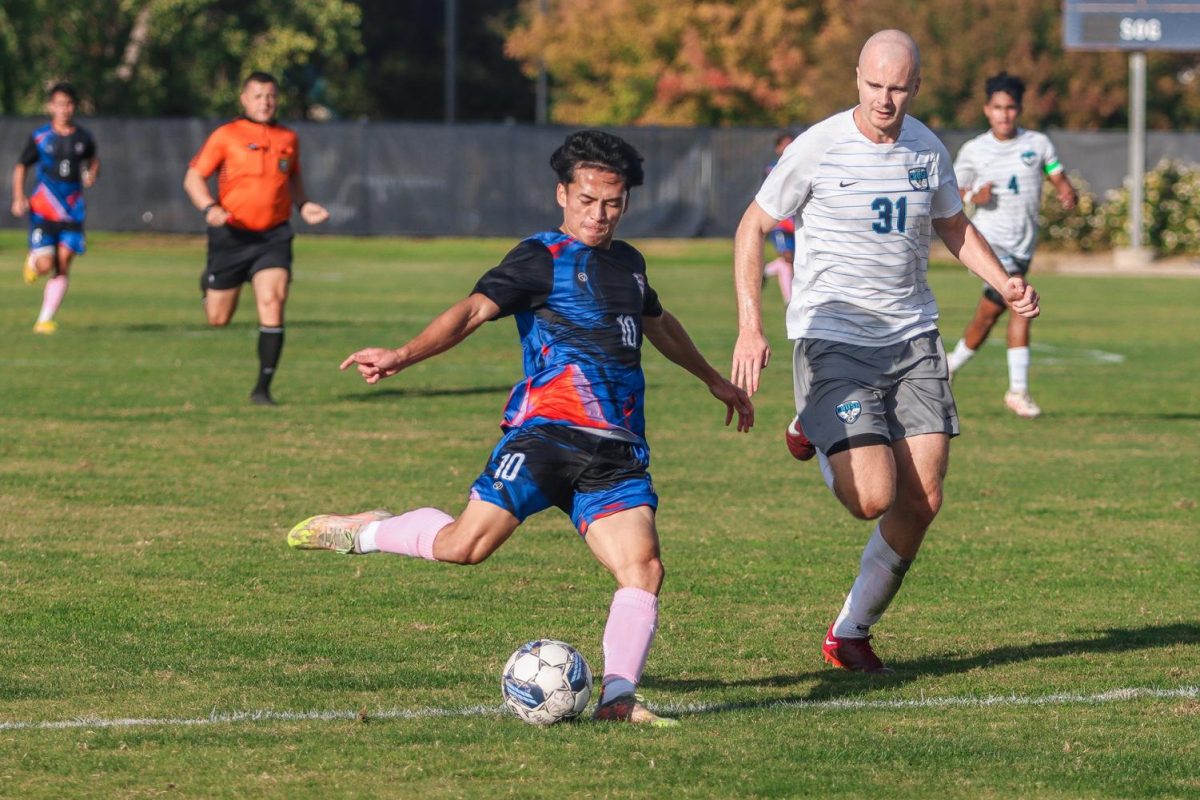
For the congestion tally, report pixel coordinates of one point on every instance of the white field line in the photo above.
(264, 715)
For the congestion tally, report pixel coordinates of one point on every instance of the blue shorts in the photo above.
(587, 476)
(783, 241)
(44, 234)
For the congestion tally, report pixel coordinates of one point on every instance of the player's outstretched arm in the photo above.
(752, 352)
(669, 337)
(967, 244)
(447, 329)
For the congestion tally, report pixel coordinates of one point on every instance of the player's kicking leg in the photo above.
(626, 543)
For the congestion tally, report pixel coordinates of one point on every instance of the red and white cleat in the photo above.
(797, 443)
(855, 655)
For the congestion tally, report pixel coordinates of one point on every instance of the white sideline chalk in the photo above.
(266, 715)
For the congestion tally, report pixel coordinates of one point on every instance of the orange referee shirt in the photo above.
(256, 161)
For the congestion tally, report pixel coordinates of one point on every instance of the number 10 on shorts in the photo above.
(509, 467)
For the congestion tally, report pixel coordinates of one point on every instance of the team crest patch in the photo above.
(849, 412)
(283, 165)
(919, 178)
(1029, 158)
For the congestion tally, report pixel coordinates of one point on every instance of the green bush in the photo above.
(1170, 214)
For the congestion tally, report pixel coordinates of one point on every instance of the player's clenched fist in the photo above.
(1022, 297)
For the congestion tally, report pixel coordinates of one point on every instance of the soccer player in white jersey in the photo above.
(1001, 172)
(872, 389)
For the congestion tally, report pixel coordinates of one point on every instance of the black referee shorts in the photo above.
(235, 255)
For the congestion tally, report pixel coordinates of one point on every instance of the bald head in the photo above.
(889, 76)
(891, 47)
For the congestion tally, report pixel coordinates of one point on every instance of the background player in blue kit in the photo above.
(574, 427)
(66, 160)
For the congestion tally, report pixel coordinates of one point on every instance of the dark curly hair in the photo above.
(1011, 85)
(598, 150)
(62, 87)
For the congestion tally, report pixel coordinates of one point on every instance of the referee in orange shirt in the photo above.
(249, 237)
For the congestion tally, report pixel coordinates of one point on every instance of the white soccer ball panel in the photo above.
(555, 653)
(526, 667)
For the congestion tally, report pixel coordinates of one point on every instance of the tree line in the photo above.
(609, 62)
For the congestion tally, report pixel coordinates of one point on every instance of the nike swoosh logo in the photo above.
(844, 184)
(830, 642)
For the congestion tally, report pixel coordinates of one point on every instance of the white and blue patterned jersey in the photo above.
(1016, 168)
(867, 212)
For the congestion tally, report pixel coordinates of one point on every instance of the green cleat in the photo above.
(630, 708)
(332, 532)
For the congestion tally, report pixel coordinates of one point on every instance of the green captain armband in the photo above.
(1053, 167)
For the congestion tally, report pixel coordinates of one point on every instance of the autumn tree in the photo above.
(750, 62)
(667, 62)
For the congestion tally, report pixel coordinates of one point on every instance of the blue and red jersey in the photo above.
(58, 193)
(579, 314)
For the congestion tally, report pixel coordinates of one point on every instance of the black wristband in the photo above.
(300, 206)
(209, 207)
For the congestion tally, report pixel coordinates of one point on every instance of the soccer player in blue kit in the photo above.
(65, 154)
(574, 427)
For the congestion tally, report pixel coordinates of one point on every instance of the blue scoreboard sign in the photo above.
(1131, 24)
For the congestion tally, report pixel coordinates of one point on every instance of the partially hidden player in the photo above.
(1002, 172)
(249, 233)
(574, 426)
(872, 390)
(65, 154)
(783, 235)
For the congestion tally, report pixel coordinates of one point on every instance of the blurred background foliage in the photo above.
(609, 62)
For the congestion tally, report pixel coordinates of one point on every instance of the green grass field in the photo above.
(145, 575)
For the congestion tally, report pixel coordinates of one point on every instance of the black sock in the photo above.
(270, 345)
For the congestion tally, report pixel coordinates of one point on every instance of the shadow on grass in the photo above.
(833, 684)
(416, 391)
(245, 324)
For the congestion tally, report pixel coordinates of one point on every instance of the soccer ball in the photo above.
(546, 681)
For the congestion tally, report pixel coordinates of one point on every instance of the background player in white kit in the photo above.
(872, 388)
(1002, 172)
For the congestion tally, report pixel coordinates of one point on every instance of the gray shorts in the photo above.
(852, 396)
(1013, 266)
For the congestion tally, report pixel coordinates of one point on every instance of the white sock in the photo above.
(826, 470)
(1018, 369)
(880, 574)
(615, 687)
(959, 356)
(366, 538)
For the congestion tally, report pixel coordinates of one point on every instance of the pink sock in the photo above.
(412, 534)
(632, 620)
(52, 297)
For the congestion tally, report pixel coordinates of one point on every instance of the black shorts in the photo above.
(235, 255)
(1013, 266)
